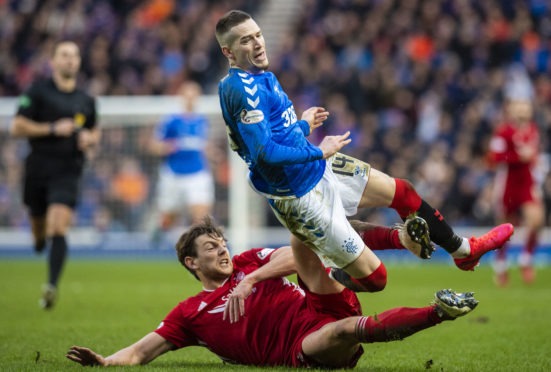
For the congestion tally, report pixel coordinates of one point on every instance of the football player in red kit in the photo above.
(249, 313)
(514, 149)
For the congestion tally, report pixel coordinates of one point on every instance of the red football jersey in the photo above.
(277, 318)
(515, 181)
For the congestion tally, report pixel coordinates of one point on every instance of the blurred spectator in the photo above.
(129, 189)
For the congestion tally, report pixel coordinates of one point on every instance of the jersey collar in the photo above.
(238, 70)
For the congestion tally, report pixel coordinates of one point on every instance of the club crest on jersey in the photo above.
(350, 246)
(79, 119)
(251, 117)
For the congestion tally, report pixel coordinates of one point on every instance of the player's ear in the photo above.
(227, 52)
(190, 262)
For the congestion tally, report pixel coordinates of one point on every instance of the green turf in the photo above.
(107, 305)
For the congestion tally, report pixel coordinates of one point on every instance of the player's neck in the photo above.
(249, 70)
(64, 84)
(212, 284)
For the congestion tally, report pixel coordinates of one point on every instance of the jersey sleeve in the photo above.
(252, 118)
(256, 256)
(29, 102)
(173, 329)
(305, 127)
(161, 130)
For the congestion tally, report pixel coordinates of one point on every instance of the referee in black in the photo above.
(59, 121)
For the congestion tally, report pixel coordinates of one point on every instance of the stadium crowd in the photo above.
(419, 83)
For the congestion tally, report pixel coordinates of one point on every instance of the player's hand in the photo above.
(315, 116)
(332, 144)
(64, 127)
(85, 356)
(85, 139)
(235, 307)
(527, 152)
(170, 147)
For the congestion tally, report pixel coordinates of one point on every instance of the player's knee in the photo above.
(344, 328)
(379, 278)
(57, 229)
(406, 200)
(376, 281)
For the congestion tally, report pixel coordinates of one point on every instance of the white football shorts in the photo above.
(177, 191)
(319, 217)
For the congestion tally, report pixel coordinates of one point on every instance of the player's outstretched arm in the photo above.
(332, 144)
(282, 263)
(142, 352)
(314, 116)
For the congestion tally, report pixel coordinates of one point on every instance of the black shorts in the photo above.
(38, 193)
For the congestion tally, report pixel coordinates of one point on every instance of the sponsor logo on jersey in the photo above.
(251, 117)
(264, 253)
(283, 190)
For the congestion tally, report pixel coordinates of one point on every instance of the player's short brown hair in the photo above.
(227, 21)
(186, 247)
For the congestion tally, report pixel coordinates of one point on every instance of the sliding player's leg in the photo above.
(336, 344)
(311, 271)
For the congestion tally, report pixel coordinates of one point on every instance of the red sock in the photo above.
(395, 324)
(406, 200)
(374, 282)
(380, 238)
(531, 242)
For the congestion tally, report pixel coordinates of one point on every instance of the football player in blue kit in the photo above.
(312, 189)
(185, 180)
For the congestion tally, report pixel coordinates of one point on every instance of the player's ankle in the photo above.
(464, 250)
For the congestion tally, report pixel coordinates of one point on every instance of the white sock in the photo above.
(464, 249)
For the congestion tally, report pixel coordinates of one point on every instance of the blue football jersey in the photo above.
(263, 129)
(189, 132)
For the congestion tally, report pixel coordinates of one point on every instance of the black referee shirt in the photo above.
(43, 102)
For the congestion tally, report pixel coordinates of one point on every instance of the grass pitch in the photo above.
(107, 305)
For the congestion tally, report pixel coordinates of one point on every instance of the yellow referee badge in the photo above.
(79, 119)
